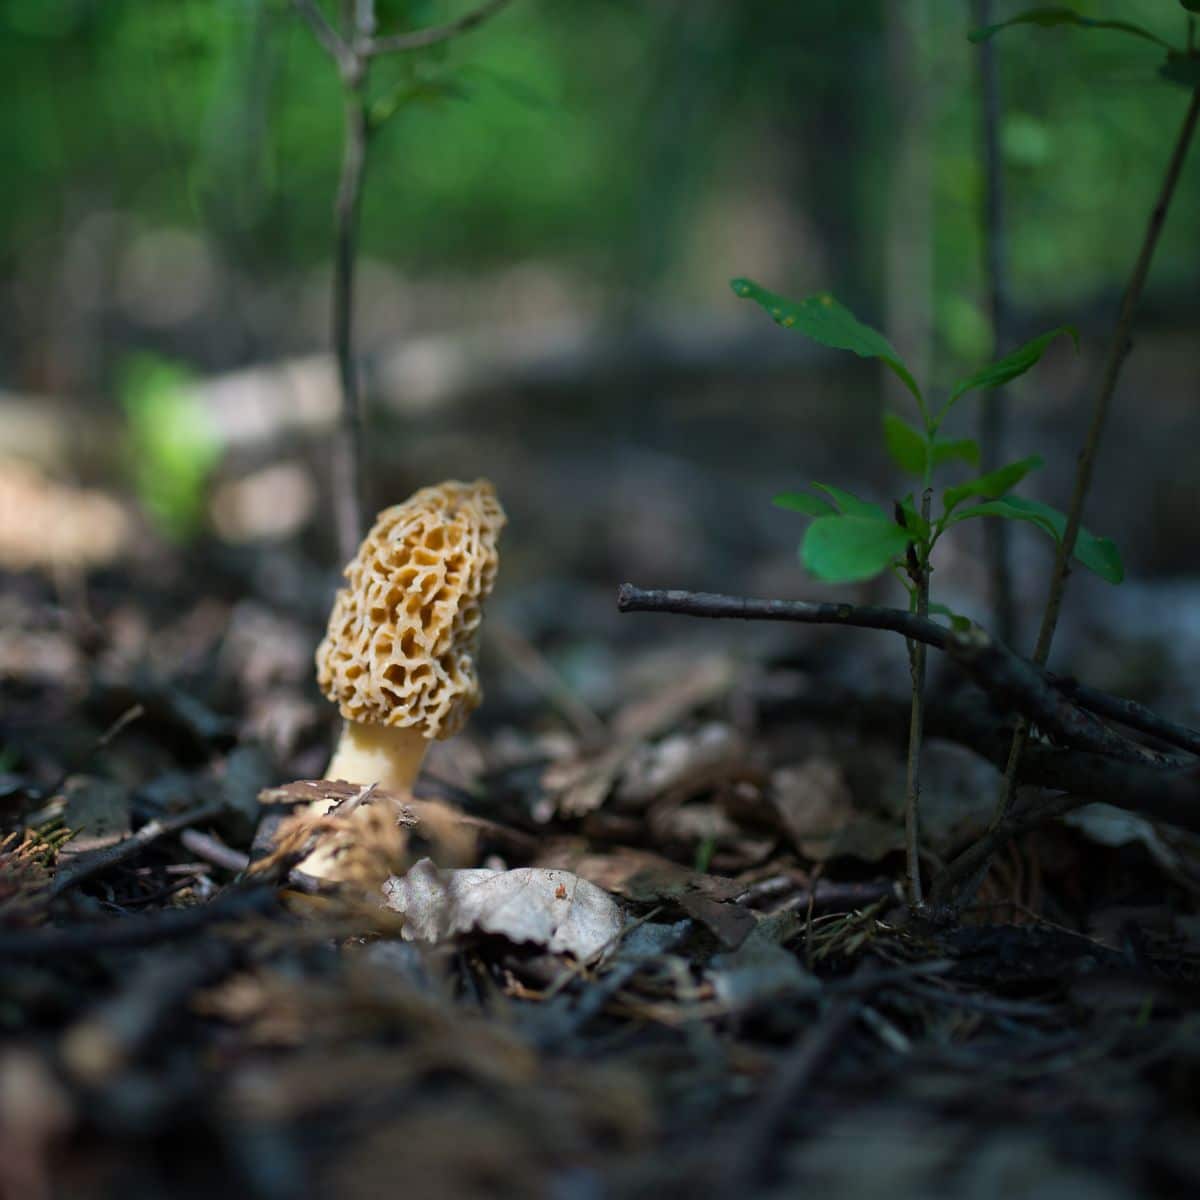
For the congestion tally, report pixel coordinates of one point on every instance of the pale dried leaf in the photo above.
(554, 909)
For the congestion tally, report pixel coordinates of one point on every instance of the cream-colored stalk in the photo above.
(387, 755)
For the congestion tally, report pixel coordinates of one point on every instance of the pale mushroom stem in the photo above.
(387, 755)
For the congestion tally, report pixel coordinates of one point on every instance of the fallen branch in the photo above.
(996, 668)
(110, 856)
(1118, 350)
(631, 598)
(1018, 684)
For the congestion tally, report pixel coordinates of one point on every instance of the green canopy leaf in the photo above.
(993, 484)
(964, 449)
(845, 549)
(826, 321)
(1060, 15)
(802, 502)
(1098, 554)
(908, 446)
(912, 520)
(850, 504)
(1010, 366)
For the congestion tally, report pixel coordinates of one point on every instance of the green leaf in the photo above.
(824, 320)
(912, 519)
(908, 446)
(850, 504)
(993, 484)
(1183, 69)
(958, 622)
(850, 548)
(173, 444)
(802, 502)
(1098, 554)
(1009, 367)
(1193, 6)
(1059, 15)
(965, 449)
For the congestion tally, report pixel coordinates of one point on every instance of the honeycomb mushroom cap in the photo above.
(399, 650)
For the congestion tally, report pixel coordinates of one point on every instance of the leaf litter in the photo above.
(666, 957)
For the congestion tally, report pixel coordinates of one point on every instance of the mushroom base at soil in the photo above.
(387, 755)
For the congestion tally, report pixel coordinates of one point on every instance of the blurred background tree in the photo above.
(655, 149)
(603, 164)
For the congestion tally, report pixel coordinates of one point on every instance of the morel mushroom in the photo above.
(398, 657)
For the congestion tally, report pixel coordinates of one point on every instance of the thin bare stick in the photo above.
(213, 850)
(421, 38)
(1008, 676)
(747, 1149)
(327, 37)
(352, 50)
(1128, 712)
(976, 856)
(1117, 351)
(631, 598)
(916, 728)
(536, 668)
(993, 434)
(348, 483)
(1019, 686)
(110, 856)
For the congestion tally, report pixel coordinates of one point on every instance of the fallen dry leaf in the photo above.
(554, 909)
(813, 804)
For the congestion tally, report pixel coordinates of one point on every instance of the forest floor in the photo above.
(765, 1019)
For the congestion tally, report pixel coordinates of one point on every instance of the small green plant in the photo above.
(172, 445)
(851, 539)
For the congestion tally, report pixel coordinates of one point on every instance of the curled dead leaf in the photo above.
(554, 909)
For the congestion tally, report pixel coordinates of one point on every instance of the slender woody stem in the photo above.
(916, 728)
(993, 433)
(348, 482)
(421, 38)
(352, 48)
(1117, 351)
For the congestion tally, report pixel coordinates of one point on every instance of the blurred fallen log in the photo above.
(116, 1032)
(1170, 794)
(130, 933)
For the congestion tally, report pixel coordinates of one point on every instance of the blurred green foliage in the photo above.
(598, 132)
(171, 444)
